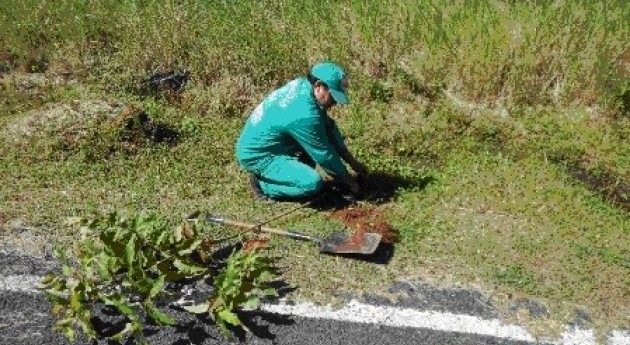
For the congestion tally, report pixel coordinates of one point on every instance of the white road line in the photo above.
(20, 283)
(358, 312)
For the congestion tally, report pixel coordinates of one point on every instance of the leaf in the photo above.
(69, 333)
(160, 238)
(75, 301)
(48, 280)
(187, 268)
(270, 292)
(120, 305)
(104, 265)
(112, 246)
(252, 303)
(198, 308)
(156, 287)
(64, 322)
(170, 274)
(142, 285)
(130, 251)
(128, 329)
(66, 270)
(266, 275)
(190, 247)
(229, 317)
(177, 232)
(86, 324)
(217, 303)
(57, 298)
(56, 309)
(158, 315)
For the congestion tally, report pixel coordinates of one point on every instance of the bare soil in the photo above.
(366, 219)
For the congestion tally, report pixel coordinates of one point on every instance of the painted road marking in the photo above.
(357, 312)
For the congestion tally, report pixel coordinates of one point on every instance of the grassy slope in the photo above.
(500, 212)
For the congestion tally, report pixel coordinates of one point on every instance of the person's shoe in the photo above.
(254, 186)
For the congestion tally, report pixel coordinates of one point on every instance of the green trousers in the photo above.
(287, 176)
(293, 177)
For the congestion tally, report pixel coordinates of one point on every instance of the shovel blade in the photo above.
(362, 244)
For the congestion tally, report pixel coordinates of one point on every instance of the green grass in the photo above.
(477, 113)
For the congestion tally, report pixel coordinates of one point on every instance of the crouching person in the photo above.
(290, 145)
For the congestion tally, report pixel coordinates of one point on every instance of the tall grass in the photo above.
(492, 52)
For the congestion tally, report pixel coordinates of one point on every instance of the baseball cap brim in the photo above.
(339, 96)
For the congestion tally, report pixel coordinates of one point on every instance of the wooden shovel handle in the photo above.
(256, 227)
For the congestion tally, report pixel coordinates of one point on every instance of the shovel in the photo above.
(365, 243)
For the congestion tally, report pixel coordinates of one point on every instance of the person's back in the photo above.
(267, 131)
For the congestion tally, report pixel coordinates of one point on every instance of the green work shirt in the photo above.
(289, 119)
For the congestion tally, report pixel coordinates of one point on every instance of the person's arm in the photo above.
(310, 133)
(340, 146)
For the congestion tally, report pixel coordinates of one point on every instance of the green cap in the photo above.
(334, 77)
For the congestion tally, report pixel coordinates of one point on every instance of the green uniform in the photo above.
(288, 121)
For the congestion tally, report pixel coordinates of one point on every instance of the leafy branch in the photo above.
(125, 263)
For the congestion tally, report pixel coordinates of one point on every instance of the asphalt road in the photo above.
(25, 318)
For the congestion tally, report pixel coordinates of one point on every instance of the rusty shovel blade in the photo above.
(366, 244)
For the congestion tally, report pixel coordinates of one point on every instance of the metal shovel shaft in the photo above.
(255, 227)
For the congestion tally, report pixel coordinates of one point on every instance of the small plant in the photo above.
(125, 263)
(190, 126)
(516, 275)
(240, 284)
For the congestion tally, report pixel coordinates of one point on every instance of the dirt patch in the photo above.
(135, 126)
(366, 219)
(256, 243)
(611, 188)
(126, 132)
(77, 116)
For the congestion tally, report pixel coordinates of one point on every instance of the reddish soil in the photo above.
(258, 243)
(366, 219)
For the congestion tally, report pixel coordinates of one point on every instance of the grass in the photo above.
(477, 116)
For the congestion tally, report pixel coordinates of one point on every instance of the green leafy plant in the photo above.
(240, 284)
(125, 263)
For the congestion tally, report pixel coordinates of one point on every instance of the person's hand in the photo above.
(359, 168)
(352, 184)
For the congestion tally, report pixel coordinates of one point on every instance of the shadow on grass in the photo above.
(611, 188)
(382, 256)
(377, 188)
